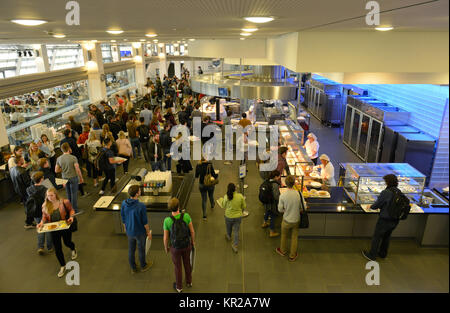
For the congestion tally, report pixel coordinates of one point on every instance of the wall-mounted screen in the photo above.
(223, 92)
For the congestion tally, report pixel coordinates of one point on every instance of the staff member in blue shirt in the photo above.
(134, 218)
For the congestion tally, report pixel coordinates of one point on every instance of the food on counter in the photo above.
(315, 184)
(323, 193)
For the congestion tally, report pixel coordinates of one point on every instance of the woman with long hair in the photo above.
(51, 148)
(34, 154)
(234, 205)
(125, 150)
(57, 209)
(169, 117)
(202, 169)
(93, 147)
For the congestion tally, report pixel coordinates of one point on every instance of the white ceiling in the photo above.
(210, 19)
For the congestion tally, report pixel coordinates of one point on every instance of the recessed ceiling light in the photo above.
(384, 29)
(242, 38)
(59, 35)
(250, 29)
(155, 40)
(259, 19)
(93, 40)
(246, 34)
(192, 39)
(142, 39)
(113, 40)
(151, 35)
(125, 40)
(29, 22)
(115, 32)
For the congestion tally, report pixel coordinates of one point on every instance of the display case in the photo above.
(363, 182)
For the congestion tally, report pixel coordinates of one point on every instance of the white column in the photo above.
(139, 60)
(92, 54)
(42, 64)
(163, 61)
(115, 50)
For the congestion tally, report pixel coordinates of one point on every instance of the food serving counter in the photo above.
(156, 202)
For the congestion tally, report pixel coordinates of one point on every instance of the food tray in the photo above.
(55, 226)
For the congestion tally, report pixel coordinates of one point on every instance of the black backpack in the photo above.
(400, 205)
(100, 160)
(144, 133)
(179, 234)
(34, 203)
(266, 192)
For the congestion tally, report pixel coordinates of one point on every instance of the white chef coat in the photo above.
(312, 146)
(327, 174)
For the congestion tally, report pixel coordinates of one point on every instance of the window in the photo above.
(65, 56)
(17, 60)
(120, 80)
(106, 53)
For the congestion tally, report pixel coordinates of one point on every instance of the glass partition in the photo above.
(120, 80)
(17, 60)
(43, 106)
(65, 56)
(106, 53)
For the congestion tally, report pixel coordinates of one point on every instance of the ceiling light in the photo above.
(259, 19)
(29, 22)
(142, 39)
(250, 29)
(113, 40)
(155, 40)
(246, 34)
(192, 39)
(59, 35)
(242, 38)
(384, 29)
(94, 41)
(125, 40)
(151, 35)
(115, 32)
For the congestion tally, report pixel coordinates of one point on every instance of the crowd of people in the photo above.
(91, 147)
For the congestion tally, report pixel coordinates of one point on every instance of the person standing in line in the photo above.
(38, 193)
(132, 134)
(124, 146)
(143, 131)
(156, 154)
(21, 181)
(57, 209)
(385, 224)
(93, 146)
(165, 141)
(282, 163)
(289, 204)
(67, 164)
(17, 152)
(109, 167)
(134, 217)
(44, 167)
(271, 208)
(51, 148)
(72, 142)
(228, 139)
(179, 230)
(146, 114)
(312, 147)
(201, 170)
(234, 205)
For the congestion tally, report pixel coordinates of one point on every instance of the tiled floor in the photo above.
(324, 265)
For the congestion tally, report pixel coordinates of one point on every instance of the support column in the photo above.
(139, 60)
(92, 54)
(115, 51)
(42, 64)
(163, 60)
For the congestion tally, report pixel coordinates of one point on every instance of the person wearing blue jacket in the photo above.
(134, 218)
(385, 224)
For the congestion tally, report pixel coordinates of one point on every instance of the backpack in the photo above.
(179, 233)
(33, 203)
(144, 133)
(92, 153)
(266, 192)
(100, 161)
(400, 205)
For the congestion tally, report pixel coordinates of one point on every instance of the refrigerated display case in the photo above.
(417, 150)
(390, 140)
(363, 126)
(363, 182)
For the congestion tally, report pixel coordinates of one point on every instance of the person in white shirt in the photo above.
(312, 147)
(327, 171)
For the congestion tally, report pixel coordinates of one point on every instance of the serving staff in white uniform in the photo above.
(327, 171)
(312, 147)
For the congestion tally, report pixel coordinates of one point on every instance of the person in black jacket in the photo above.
(165, 140)
(200, 172)
(21, 181)
(115, 126)
(156, 154)
(38, 192)
(75, 125)
(385, 224)
(72, 143)
(183, 117)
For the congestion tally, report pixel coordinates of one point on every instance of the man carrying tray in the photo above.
(134, 218)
